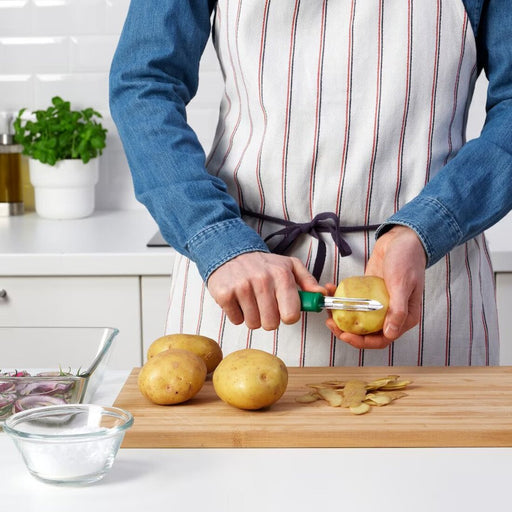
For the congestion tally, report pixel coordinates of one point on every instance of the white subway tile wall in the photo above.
(65, 47)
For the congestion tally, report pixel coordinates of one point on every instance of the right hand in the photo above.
(260, 289)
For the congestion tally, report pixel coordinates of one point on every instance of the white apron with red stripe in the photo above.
(345, 106)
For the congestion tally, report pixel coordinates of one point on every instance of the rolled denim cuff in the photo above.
(217, 244)
(435, 226)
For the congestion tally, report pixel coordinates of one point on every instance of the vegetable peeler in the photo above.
(316, 302)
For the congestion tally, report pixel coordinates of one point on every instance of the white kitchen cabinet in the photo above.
(504, 300)
(76, 301)
(155, 303)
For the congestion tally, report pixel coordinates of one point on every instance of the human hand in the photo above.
(261, 289)
(399, 258)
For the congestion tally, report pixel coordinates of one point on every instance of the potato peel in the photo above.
(332, 396)
(378, 399)
(308, 398)
(397, 385)
(379, 383)
(338, 384)
(353, 393)
(356, 395)
(362, 408)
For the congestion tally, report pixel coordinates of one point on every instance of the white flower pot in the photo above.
(64, 190)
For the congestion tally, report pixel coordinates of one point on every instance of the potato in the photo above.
(364, 287)
(172, 376)
(250, 379)
(206, 348)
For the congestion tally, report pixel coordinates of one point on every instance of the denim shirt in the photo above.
(154, 75)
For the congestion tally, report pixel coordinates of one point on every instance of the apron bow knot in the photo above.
(326, 222)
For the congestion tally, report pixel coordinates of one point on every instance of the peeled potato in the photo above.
(206, 348)
(250, 379)
(364, 287)
(172, 376)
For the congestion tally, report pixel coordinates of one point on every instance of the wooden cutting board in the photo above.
(454, 406)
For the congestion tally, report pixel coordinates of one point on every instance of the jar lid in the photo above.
(6, 139)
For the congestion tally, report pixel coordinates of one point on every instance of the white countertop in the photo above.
(268, 480)
(106, 243)
(114, 243)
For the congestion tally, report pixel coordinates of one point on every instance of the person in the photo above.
(340, 150)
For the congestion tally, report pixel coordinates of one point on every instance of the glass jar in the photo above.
(11, 184)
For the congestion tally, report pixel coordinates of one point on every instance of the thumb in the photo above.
(397, 313)
(304, 278)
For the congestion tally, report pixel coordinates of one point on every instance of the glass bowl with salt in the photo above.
(71, 444)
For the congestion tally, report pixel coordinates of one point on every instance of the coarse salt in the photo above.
(69, 459)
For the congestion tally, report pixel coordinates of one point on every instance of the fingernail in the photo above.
(391, 331)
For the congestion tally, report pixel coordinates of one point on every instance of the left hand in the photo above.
(399, 258)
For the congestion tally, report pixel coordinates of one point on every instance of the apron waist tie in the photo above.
(326, 222)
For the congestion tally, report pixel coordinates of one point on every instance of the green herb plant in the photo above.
(59, 133)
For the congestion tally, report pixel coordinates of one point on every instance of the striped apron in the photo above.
(350, 107)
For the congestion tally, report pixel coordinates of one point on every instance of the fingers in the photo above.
(277, 299)
(304, 279)
(233, 312)
(371, 341)
(330, 289)
(238, 303)
(245, 304)
(261, 289)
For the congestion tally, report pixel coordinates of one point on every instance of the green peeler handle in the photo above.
(311, 301)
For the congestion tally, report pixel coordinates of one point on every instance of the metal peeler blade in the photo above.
(311, 301)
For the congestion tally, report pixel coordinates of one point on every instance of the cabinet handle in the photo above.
(3, 293)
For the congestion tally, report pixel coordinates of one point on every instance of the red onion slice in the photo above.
(29, 402)
(44, 388)
(7, 387)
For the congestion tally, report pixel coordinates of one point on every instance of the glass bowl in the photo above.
(72, 444)
(51, 365)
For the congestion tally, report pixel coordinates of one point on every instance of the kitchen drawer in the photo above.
(77, 301)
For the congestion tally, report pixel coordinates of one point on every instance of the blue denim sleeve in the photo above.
(153, 76)
(474, 190)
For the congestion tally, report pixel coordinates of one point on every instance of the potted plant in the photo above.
(63, 147)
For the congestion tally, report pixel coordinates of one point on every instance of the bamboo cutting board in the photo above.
(453, 406)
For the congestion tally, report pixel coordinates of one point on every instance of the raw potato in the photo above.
(250, 379)
(364, 287)
(206, 348)
(172, 376)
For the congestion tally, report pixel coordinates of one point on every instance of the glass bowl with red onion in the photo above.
(51, 366)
